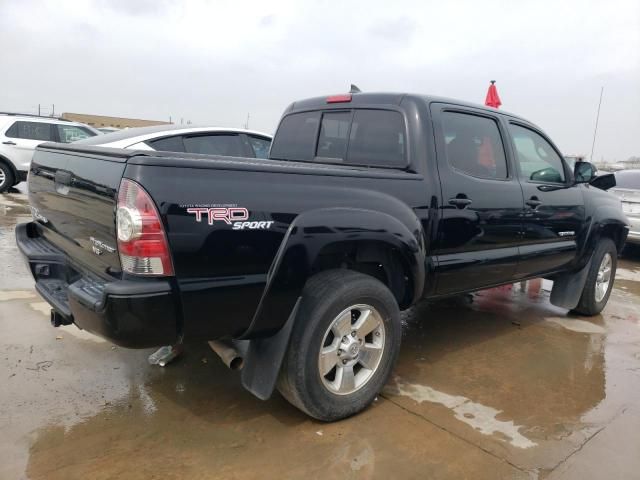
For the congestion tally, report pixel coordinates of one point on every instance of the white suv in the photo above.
(21, 134)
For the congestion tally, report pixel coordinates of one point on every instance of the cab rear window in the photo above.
(296, 137)
(363, 137)
(377, 139)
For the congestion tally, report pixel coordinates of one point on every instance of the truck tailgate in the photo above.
(71, 250)
(73, 198)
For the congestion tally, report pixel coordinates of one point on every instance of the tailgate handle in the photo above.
(63, 178)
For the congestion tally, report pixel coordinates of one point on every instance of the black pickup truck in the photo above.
(296, 267)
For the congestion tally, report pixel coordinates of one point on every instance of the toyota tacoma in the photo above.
(296, 267)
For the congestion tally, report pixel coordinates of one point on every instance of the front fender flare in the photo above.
(602, 217)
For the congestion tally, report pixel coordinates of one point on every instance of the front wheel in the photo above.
(599, 284)
(343, 346)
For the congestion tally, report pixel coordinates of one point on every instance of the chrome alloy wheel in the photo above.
(351, 349)
(3, 178)
(604, 277)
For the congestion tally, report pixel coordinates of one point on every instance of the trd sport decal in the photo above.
(227, 215)
(235, 216)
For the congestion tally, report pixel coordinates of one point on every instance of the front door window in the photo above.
(537, 159)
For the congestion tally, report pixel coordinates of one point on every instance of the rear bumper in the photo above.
(130, 313)
(22, 175)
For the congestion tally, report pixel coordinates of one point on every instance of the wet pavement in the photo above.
(499, 384)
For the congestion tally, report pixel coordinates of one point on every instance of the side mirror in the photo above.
(604, 182)
(583, 172)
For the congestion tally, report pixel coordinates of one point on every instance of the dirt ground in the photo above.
(499, 384)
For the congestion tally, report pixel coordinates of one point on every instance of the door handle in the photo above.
(9, 142)
(460, 202)
(533, 202)
(63, 178)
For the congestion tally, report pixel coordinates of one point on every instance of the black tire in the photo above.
(588, 304)
(9, 180)
(324, 297)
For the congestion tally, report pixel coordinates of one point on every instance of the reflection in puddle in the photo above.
(580, 326)
(525, 374)
(480, 417)
(14, 209)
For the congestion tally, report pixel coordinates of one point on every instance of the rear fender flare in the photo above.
(308, 234)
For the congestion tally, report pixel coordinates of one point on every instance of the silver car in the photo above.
(628, 189)
(231, 142)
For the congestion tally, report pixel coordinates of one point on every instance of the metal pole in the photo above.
(595, 130)
(38, 109)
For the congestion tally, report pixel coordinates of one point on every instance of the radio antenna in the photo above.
(595, 130)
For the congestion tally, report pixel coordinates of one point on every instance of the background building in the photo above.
(98, 121)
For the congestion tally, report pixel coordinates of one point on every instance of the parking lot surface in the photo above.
(499, 384)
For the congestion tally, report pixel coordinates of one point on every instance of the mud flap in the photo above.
(567, 288)
(263, 358)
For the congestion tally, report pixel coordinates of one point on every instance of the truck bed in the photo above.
(221, 269)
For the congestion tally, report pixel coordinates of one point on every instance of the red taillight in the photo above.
(339, 98)
(142, 242)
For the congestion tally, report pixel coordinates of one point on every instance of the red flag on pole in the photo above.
(492, 100)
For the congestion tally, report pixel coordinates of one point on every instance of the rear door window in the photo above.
(167, 144)
(31, 131)
(225, 145)
(474, 145)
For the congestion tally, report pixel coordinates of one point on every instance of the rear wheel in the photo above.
(6, 177)
(600, 279)
(343, 346)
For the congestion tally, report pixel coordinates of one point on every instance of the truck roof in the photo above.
(386, 98)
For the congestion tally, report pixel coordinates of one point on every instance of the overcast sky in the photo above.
(212, 62)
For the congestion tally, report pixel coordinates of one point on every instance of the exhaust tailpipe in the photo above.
(228, 354)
